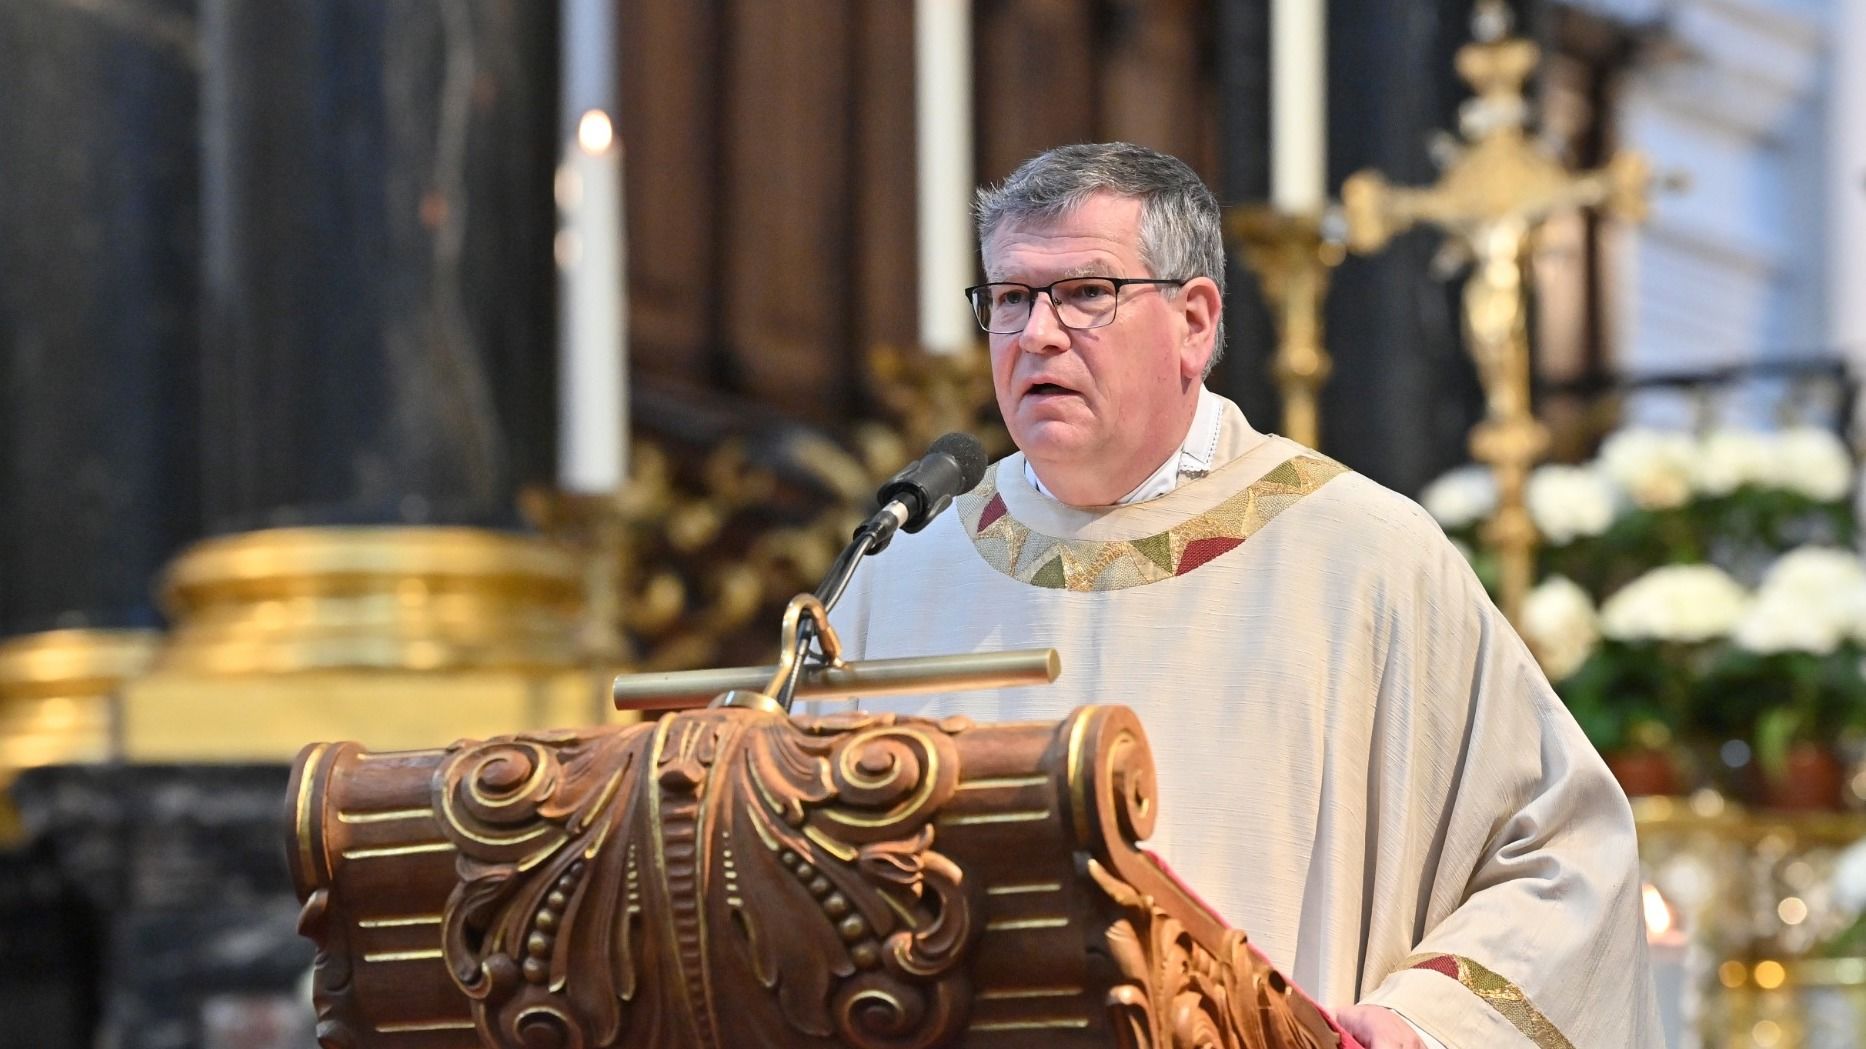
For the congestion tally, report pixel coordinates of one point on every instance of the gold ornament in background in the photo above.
(58, 694)
(701, 556)
(710, 553)
(1755, 891)
(57, 689)
(928, 394)
(1495, 194)
(1292, 260)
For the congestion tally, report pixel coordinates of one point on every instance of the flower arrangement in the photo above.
(1697, 592)
(1849, 897)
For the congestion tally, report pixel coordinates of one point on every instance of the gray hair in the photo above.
(1181, 233)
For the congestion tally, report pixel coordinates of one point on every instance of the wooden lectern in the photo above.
(735, 878)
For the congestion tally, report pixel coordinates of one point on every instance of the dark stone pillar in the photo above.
(48, 978)
(1404, 394)
(98, 315)
(379, 284)
(1243, 374)
(179, 876)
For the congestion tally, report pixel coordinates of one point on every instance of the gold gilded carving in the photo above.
(1189, 982)
(399, 923)
(1179, 995)
(725, 877)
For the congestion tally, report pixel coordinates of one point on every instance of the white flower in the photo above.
(1814, 463)
(1463, 496)
(1560, 625)
(1675, 603)
(1810, 571)
(1729, 459)
(1568, 502)
(1819, 591)
(1850, 878)
(1775, 622)
(1653, 467)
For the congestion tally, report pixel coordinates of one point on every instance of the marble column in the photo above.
(378, 282)
(174, 877)
(1404, 394)
(48, 937)
(1243, 374)
(98, 318)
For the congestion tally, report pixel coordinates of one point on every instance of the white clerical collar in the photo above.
(1192, 461)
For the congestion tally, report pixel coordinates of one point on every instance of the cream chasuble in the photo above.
(1359, 762)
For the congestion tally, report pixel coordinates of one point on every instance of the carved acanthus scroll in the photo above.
(705, 878)
(1182, 996)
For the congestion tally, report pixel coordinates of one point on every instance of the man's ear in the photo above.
(1203, 305)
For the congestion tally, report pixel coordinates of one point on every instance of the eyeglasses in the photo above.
(1080, 302)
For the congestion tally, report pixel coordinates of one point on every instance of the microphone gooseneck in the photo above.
(954, 465)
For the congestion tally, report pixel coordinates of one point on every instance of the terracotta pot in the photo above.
(1643, 771)
(1812, 780)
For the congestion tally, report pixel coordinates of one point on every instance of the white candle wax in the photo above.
(593, 405)
(1669, 955)
(592, 419)
(1298, 106)
(943, 161)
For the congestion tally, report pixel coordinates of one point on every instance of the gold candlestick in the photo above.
(1292, 261)
(1495, 193)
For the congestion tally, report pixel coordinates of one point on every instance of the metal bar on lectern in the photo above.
(873, 677)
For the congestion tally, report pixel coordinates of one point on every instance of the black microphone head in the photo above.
(965, 450)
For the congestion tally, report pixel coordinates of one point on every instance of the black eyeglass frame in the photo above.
(971, 297)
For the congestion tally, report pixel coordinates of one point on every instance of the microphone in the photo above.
(915, 496)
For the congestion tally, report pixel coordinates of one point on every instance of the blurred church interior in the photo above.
(400, 372)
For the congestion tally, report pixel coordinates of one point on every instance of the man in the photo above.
(1360, 764)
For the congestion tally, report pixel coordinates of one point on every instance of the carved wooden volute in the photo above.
(731, 878)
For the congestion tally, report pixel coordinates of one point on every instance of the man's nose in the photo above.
(1043, 330)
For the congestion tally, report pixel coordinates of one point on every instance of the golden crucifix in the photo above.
(1494, 195)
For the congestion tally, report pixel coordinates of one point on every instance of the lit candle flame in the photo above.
(1659, 920)
(595, 133)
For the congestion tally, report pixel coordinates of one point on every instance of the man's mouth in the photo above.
(1043, 388)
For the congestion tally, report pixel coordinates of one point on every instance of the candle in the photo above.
(943, 161)
(592, 308)
(1298, 106)
(1668, 951)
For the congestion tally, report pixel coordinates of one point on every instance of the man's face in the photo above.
(1092, 408)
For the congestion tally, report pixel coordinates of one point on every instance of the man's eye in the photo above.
(1092, 291)
(1011, 297)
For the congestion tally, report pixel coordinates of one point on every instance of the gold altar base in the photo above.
(184, 717)
(404, 637)
(288, 600)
